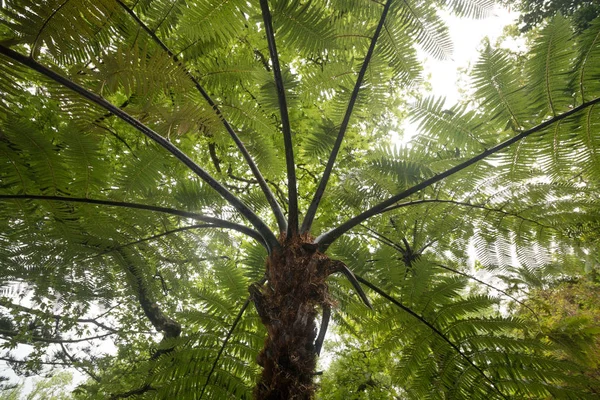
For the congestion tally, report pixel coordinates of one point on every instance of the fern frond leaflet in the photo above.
(165, 16)
(329, 237)
(583, 64)
(433, 329)
(259, 225)
(276, 208)
(34, 47)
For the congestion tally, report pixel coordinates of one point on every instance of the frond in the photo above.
(305, 27)
(72, 32)
(203, 23)
(549, 68)
(426, 29)
(498, 86)
(471, 8)
(584, 83)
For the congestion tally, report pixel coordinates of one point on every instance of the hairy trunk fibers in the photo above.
(288, 306)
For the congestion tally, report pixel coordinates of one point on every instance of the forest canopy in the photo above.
(200, 198)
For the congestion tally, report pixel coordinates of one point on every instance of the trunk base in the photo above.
(288, 306)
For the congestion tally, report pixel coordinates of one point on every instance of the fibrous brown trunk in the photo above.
(288, 305)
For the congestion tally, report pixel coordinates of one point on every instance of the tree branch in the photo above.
(170, 328)
(25, 339)
(433, 328)
(75, 362)
(4, 302)
(314, 205)
(329, 237)
(134, 392)
(258, 224)
(53, 363)
(292, 228)
(216, 222)
(240, 145)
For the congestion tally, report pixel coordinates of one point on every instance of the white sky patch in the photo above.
(467, 35)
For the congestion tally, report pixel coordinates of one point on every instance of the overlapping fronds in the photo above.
(72, 32)
(142, 176)
(471, 8)
(450, 349)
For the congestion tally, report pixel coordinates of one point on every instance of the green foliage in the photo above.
(533, 12)
(116, 241)
(52, 388)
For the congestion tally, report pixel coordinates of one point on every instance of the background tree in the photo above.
(167, 163)
(534, 12)
(53, 388)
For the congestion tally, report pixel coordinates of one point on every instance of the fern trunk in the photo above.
(288, 306)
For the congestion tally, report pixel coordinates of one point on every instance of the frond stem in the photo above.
(225, 341)
(433, 328)
(216, 222)
(466, 204)
(34, 47)
(314, 205)
(150, 238)
(276, 208)
(4, 334)
(258, 224)
(488, 285)
(292, 229)
(329, 237)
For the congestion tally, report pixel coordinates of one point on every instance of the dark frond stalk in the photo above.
(395, 302)
(323, 329)
(277, 211)
(242, 208)
(329, 237)
(215, 222)
(314, 205)
(338, 266)
(236, 321)
(292, 229)
(384, 239)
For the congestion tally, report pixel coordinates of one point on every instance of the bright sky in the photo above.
(466, 35)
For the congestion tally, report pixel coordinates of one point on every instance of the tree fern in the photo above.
(144, 196)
